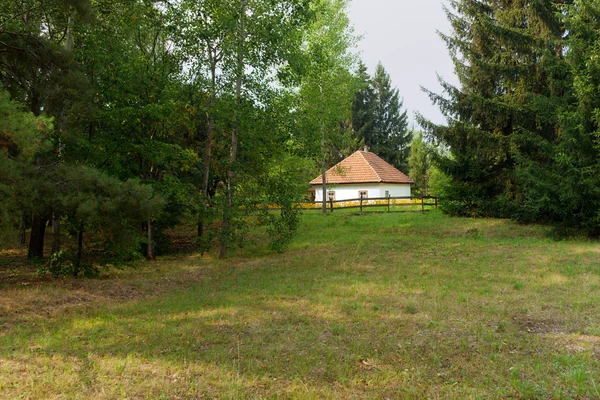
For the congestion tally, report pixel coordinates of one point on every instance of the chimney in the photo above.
(366, 149)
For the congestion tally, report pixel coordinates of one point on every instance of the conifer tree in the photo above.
(504, 112)
(390, 137)
(362, 106)
(564, 188)
(378, 121)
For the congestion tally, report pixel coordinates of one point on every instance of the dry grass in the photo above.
(373, 306)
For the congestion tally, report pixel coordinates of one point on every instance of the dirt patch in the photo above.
(48, 299)
(529, 324)
(20, 302)
(24, 294)
(575, 343)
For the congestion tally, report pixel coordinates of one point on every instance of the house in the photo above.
(362, 175)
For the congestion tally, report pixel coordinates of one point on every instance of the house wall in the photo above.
(375, 190)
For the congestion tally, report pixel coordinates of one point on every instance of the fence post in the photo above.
(436, 202)
(331, 204)
(422, 204)
(361, 203)
(388, 198)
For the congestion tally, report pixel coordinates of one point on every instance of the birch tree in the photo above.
(327, 85)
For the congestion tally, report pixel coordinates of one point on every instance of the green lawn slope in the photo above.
(373, 306)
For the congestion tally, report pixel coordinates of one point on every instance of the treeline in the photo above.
(121, 119)
(522, 132)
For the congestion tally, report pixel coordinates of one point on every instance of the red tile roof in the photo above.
(362, 167)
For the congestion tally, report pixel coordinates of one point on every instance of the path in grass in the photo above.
(361, 306)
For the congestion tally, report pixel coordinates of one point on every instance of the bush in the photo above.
(64, 263)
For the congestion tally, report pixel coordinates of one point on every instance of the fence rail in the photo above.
(385, 202)
(362, 203)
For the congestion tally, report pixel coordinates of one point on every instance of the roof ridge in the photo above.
(370, 166)
(364, 167)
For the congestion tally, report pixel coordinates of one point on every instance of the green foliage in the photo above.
(22, 135)
(522, 126)
(21, 132)
(285, 192)
(390, 138)
(419, 164)
(327, 86)
(141, 116)
(438, 182)
(64, 263)
(377, 117)
(429, 179)
(362, 106)
(564, 187)
(501, 59)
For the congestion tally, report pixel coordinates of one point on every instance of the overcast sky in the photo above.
(402, 35)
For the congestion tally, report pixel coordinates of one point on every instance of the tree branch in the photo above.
(3, 23)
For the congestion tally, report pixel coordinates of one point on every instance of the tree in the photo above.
(267, 37)
(377, 117)
(507, 57)
(187, 106)
(389, 137)
(363, 108)
(564, 187)
(137, 128)
(327, 85)
(206, 38)
(21, 137)
(419, 163)
(36, 68)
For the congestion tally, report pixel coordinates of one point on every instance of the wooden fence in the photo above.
(385, 202)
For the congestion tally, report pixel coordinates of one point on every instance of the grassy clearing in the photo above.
(380, 305)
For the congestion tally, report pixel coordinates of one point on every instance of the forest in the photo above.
(123, 119)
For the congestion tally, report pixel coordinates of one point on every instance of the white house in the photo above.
(362, 175)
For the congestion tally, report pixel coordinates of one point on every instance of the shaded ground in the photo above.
(24, 293)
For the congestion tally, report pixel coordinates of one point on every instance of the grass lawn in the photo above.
(374, 306)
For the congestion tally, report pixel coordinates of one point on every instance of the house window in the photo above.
(331, 194)
(363, 194)
(387, 193)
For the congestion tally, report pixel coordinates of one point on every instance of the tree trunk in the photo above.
(55, 234)
(209, 135)
(79, 252)
(69, 36)
(324, 178)
(23, 230)
(225, 234)
(150, 250)
(36, 239)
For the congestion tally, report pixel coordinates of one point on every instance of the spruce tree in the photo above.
(362, 106)
(389, 137)
(564, 188)
(504, 112)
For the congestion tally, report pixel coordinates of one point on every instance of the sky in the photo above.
(402, 35)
